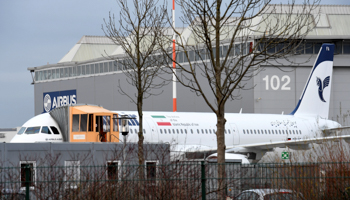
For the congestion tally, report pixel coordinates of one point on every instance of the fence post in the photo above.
(27, 182)
(203, 180)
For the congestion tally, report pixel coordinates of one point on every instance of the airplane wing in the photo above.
(265, 146)
(283, 144)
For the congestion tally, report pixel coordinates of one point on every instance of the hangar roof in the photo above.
(332, 22)
(88, 48)
(329, 19)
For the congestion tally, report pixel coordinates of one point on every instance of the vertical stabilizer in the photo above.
(314, 100)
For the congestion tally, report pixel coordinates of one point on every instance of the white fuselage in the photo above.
(199, 128)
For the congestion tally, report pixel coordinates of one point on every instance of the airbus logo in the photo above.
(47, 103)
(57, 99)
(321, 86)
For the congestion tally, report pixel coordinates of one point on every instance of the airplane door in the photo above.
(151, 131)
(235, 133)
(310, 131)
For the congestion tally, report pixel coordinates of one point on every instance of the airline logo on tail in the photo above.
(322, 86)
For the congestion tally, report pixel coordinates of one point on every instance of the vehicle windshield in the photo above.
(33, 130)
(21, 130)
(283, 196)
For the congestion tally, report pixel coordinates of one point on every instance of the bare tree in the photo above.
(140, 23)
(228, 42)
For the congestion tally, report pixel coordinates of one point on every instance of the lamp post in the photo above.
(124, 128)
(125, 131)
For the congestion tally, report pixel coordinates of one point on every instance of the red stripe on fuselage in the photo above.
(164, 123)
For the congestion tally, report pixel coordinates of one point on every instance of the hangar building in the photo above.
(86, 74)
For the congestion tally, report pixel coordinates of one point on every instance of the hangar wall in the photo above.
(103, 89)
(278, 90)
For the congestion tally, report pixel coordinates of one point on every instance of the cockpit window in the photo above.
(33, 130)
(45, 130)
(21, 130)
(54, 130)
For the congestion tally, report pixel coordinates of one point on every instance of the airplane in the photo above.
(247, 136)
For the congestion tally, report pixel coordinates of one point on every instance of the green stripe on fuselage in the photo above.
(158, 116)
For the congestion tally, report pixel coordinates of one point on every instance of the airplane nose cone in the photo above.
(17, 139)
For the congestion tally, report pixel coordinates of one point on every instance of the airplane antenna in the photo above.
(240, 112)
(282, 112)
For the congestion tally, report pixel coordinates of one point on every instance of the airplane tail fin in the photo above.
(314, 100)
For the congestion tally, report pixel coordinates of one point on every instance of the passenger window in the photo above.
(258, 132)
(229, 132)
(144, 131)
(255, 131)
(161, 132)
(136, 131)
(214, 131)
(132, 132)
(251, 131)
(279, 131)
(299, 131)
(198, 131)
(164, 131)
(45, 130)
(269, 132)
(75, 126)
(54, 130)
(83, 122)
(243, 131)
(177, 131)
(293, 132)
(115, 123)
(181, 131)
(225, 131)
(210, 131)
(191, 131)
(185, 131)
(265, 131)
(107, 123)
(173, 131)
(169, 131)
(202, 131)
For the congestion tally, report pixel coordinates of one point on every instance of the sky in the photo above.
(36, 32)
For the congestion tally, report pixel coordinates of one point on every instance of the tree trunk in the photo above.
(220, 135)
(140, 152)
